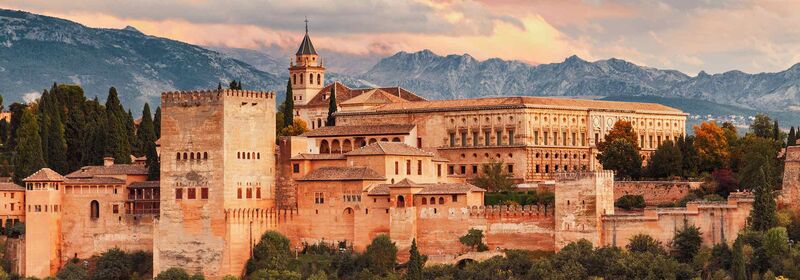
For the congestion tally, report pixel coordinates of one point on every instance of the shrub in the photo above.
(629, 202)
(72, 271)
(474, 240)
(271, 253)
(174, 273)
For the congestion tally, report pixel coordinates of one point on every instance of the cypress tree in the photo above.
(4, 129)
(16, 110)
(153, 163)
(146, 132)
(331, 121)
(776, 131)
(738, 263)
(288, 106)
(791, 138)
(44, 121)
(219, 86)
(117, 142)
(57, 145)
(28, 153)
(157, 122)
(415, 264)
(130, 131)
(762, 216)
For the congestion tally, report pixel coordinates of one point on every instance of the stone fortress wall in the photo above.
(655, 192)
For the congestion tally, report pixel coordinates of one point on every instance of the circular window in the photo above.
(486, 155)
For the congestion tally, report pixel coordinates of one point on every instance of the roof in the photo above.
(359, 130)
(430, 188)
(344, 94)
(319, 156)
(45, 175)
(114, 169)
(513, 102)
(7, 186)
(145, 184)
(389, 148)
(373, 97)
(94, 181)
(342, 174)
(306, 47)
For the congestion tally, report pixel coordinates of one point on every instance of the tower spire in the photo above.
(306, 25)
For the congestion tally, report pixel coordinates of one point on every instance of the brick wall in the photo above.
(655, 192)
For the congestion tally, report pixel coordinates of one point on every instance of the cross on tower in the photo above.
(306, 24)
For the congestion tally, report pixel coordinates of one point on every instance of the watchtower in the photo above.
(44, 198)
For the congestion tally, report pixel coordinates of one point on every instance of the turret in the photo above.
(306, 72)
(43, 191)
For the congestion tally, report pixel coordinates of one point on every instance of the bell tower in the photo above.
(306, 72)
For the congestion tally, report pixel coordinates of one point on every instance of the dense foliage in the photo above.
(541, 197)
(494, 177)
(630, 201)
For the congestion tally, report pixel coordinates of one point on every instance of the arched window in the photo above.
(384, 140)
(324, 148)
(336, 147)
(94, 210)
(191, 156)
(395, 139)
(319, 123)
(248, 155)
(372, 140)
(301, 79)
(433, 200)
(178, 156)
(185, 156)
(205, 155)
(311, 79)
(294, 79)
(424, 201)
(198, 155)
(258, 155)
(441, 200)
(401, 201)
(319, 79)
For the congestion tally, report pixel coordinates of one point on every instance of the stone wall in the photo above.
(790, 192)
(655, 192)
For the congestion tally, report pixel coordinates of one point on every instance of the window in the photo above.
(424, 201)
(396, 168)
(114, 209)
(439, 170)
(94, 209)
(419, 167)
(536, 138)
(537, 168)
(204, 193)
(574, 141)
(499, 138)
(474, 169)
(258, 193)
(192, 193)
(441, 200)
(239, 191)
(454, 198)
(583, 139)
(452, 139)
(450, 170)
(319, 198)
(319, 79)
(510, 168)
(463, 169)
(563, 138)
(463, 139)
(596, 138)
(408, 167)
(487, 138)
(310, 78)
(178, 193)
(419, 142)
(474, 138)
(433, 200)
(249, 192)
(546, 139)
(511, 137)
(296, 168)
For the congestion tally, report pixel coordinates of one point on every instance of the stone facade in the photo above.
(655, 192)
(790, 191)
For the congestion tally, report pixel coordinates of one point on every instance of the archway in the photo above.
(324, 148)
(94, 210)
(348, 224)
(347, 146)
(336, 147)
(401, 201)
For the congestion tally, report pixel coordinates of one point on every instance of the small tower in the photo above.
(306, 72)
(43, 203)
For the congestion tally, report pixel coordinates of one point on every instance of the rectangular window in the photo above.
(239, 193)
(178, 193)
(511, 137)
(651, 141)
(563, 138)
(408, 167)
(537, 168)
(474, 138)
(439, 170)
(658, 142)
(452, 139)
(115, 209)
(396, 168)
(583, 139)
(487, 138)
(474, 169)
(204, 193)
(191, 193)
(574, 140)
(454, 198)
(510, 169)
(450, 170)
(419, 142)
(463, 139)
(258, 193)
(499, 135)
(536, 138)
(596, 138)
(546, 139)
(249, 193)
(463, 169)
(319, 198)
(419, 167)
(296, 168)
(641, 142)
(12, 195)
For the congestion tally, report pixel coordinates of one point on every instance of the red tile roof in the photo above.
(145, 184)
(342, 174)
(11, 187)
(319, 156)
(344, 93)
(389, 148)
(361, 130)
(115, 169)
(45, 175)
(434, 188)
(94, 181)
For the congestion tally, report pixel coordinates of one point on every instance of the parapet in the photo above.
(512, 210)
(571, 176)
(197, 97)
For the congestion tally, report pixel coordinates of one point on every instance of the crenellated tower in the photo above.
(43, 201)
(306, 72)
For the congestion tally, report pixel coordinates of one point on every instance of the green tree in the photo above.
(288, 105)
(174, 273)
(686, 244)
(494, 177)
(762, 126)
(474, 240)
(761, 173)
(416, 263)
(4, 131)
(153, 163)
(157, 122)
(643, 243)
(331, 121)
(666, 162)
(146, 132)
(28, 155)
(72, 271)
(112, 265)
(690, 159)
(630, 201)
(738, 262)
(791, 139)
(381, 255)
(776, 131)
(117, 142)
(56, 152)
(271, 253)
(623, 157)
(16, 110)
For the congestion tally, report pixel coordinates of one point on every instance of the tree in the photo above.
(28, 155)
(738, 263)
(16, 111)
(381, 255)
(690, 159)
(219, 85)
(112, 265)
(666, 162)
(174, 273)
(56, 153)
(117, 140)
(643, 243)
(288, 105)
(72, 271)
(761, 173)
(686, 244)
(153, 163)
(776, 131)
(474, 240)
(298, 127)
(494, 177)
(416, 263)
(725, 180)
(621, 130)
(762, 126)
(271, 253)
(630, 201)
(4, 131)
(157, 122)
(712, 146)
(621, 156)
(235, 85)
(791, 139)
(147, 131)
(331, 121)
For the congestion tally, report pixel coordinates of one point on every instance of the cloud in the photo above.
(31, 96)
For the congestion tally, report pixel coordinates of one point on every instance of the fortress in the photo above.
(394, 164)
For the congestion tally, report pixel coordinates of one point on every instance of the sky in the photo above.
(686, 35)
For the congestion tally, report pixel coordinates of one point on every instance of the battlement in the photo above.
(488, 211)
(238, 215)
(197, 97)
(572, 176)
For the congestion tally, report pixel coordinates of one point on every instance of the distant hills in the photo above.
(36, 51)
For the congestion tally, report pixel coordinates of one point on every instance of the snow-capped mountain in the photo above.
(36, 51)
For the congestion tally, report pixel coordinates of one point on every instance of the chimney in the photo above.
(108, 161)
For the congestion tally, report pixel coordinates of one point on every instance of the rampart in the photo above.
(655, 192)
(188, 98)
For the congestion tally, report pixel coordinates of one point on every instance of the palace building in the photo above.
(394, 164)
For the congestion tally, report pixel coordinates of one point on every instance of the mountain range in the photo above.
(37, 50)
